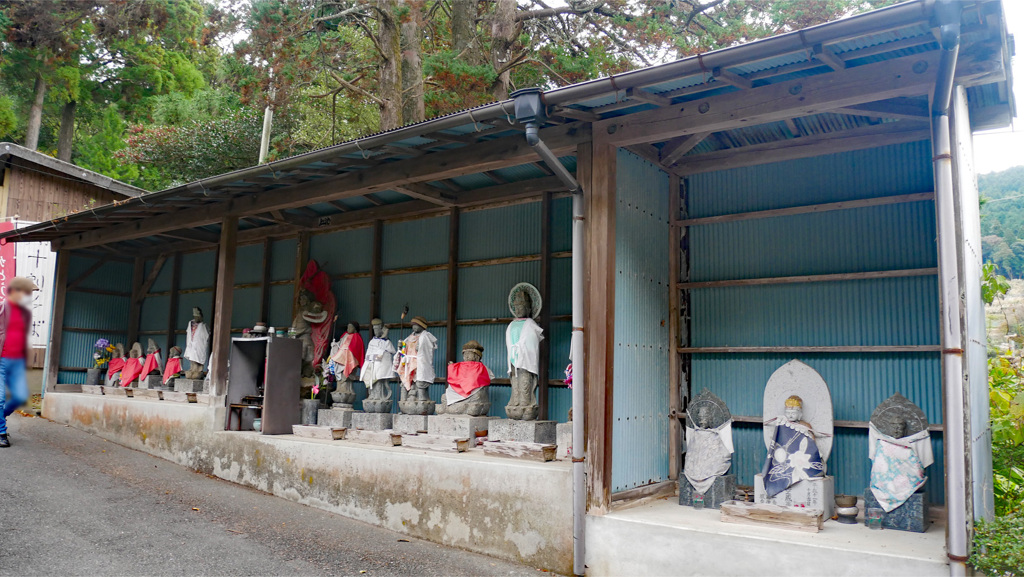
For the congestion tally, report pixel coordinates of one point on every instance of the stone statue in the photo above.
(377, 369)
(116, 365)
(152, 362)
(346, 356)
(132, 365)
(793, 454)
(173, 367)
(468, 382)
(197, 345)
(900, 449)
(311, 312)
(709, 451)
(522, 339)
(414, 364)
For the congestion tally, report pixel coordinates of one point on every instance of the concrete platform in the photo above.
(663, 538)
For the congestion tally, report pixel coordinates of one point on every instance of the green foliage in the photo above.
(993, 284)
(998, 546)
(1006, 406)
(1002, 220)
(8, 122)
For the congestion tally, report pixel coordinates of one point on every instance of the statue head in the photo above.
(352, 328)
(472, 351)
(898, 417)
(419, 324)
(152, 348)
(794, 409)
(175, 352)
(136, 351)
(197, 314)
(893, 424)
(303, 299)
(524, 301)
(703, 420)
(119, 351)
(522, 306)
(378, 328)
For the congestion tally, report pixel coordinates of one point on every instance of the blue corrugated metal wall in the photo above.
(642, 344)
(895, 311)
(91, 316)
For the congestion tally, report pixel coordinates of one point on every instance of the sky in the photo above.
(997, 150)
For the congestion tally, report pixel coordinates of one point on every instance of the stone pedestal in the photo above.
(415, 407)
(910, 516)
(542, 432)
(563, 438)
(336, 417)
(190, 386)
(722, 490)
(151, 382)
(461, 426)
(372, 421)
(819, 493)
(409, 424)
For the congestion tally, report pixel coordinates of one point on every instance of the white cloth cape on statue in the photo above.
(197, 343)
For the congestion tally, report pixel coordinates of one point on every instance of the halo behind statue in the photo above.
(716, 407)
(535, 300)
(900, 408)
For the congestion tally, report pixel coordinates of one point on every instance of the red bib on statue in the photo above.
(467, 376)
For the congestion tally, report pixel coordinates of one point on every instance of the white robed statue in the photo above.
(197, 344)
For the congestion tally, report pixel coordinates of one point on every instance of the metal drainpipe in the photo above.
(948, 13)
(530, 111)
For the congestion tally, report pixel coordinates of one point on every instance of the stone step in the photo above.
(319, 432)
(526, 451)
(387, 438)
(438, 443)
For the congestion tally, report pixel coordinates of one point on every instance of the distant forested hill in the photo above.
(1002, 220)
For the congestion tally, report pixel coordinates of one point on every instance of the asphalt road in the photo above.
(75, 504)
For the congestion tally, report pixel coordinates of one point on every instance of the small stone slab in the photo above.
(147, 394)
(912, 515)
(437, 443)
(409, 424)
(335, 417)
(795, 518)
(117, 391)
(463, 426)
(175, 397)
(372, 421)
(92, 389)
(723, 489)
(151, 382)
(526, 451)
(319, 432)
(386, 438)
(541, 432)
(563, 440)
(190, 386)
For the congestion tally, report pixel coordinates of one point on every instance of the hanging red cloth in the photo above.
(318, 284)
(114, 366)
(131, 371)
(467, 376)
(172, 368)
(152, 364)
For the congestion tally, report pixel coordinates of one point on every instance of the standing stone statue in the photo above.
(152, 362)
(197, 345)
(468, 382)
(346, 356)
(311, 312)
(414, 364)
(116, 365)
(522, 339)
(900, 449)
(132, 365)
(172, 369)
(709, 450)
(377, 369)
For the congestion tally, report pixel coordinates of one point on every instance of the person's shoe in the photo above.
(4, 441)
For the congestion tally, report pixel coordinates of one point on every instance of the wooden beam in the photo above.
(545, 312)
(202, 236)
(490, 155)
(908, 76)
(223, 301)
(301, 260)
(812, 278)
(158, 265)
(134, 305)
(453, 285)
(100, 261)
(732, 78)
(428, 193)
(810, 208)
(898, 108)
(827, 57)
(824, 349)
(375, 269)
(804, 147)
(674, 390)
(265, 282)
(172, 309)
(649, 97)
(677, 147)
(599, 166)
(57, 320)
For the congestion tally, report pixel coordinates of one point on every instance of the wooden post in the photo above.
(674, 397)
(225, 291)
(301, 258)
(545, 312)
(265, 283)
(375, 268)
(135, 306)
(57, 320)
(172, 309)
(453, 283)
(600, 167)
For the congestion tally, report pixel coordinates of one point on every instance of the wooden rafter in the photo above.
(677, 147)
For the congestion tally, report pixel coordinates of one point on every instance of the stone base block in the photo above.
(413, 407)
(563, 438)
(116, 391)
(148, 394)
(372, 421)
(377, 405)
(92, 389)
(722, 490)
(910, 516)
(437, 443)
(462, 426)
(190, 386)
(335, 417)
(95, 377)
(409, 424)
(387, 438)
(817, 493)
(318, 432)
(542, 432)
(176, 397)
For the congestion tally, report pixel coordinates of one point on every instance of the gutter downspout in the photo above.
(948, 13)
(530, 111)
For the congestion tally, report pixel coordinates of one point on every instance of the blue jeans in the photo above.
(12, 379)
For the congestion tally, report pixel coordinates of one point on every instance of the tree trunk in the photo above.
(35, 115)
(463, 24)
(413, 109)
(66, 137)
(390, 84)
(503, 38)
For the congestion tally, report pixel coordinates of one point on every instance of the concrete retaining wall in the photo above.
(501, 507)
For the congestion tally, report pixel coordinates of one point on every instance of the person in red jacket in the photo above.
(15, 320)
